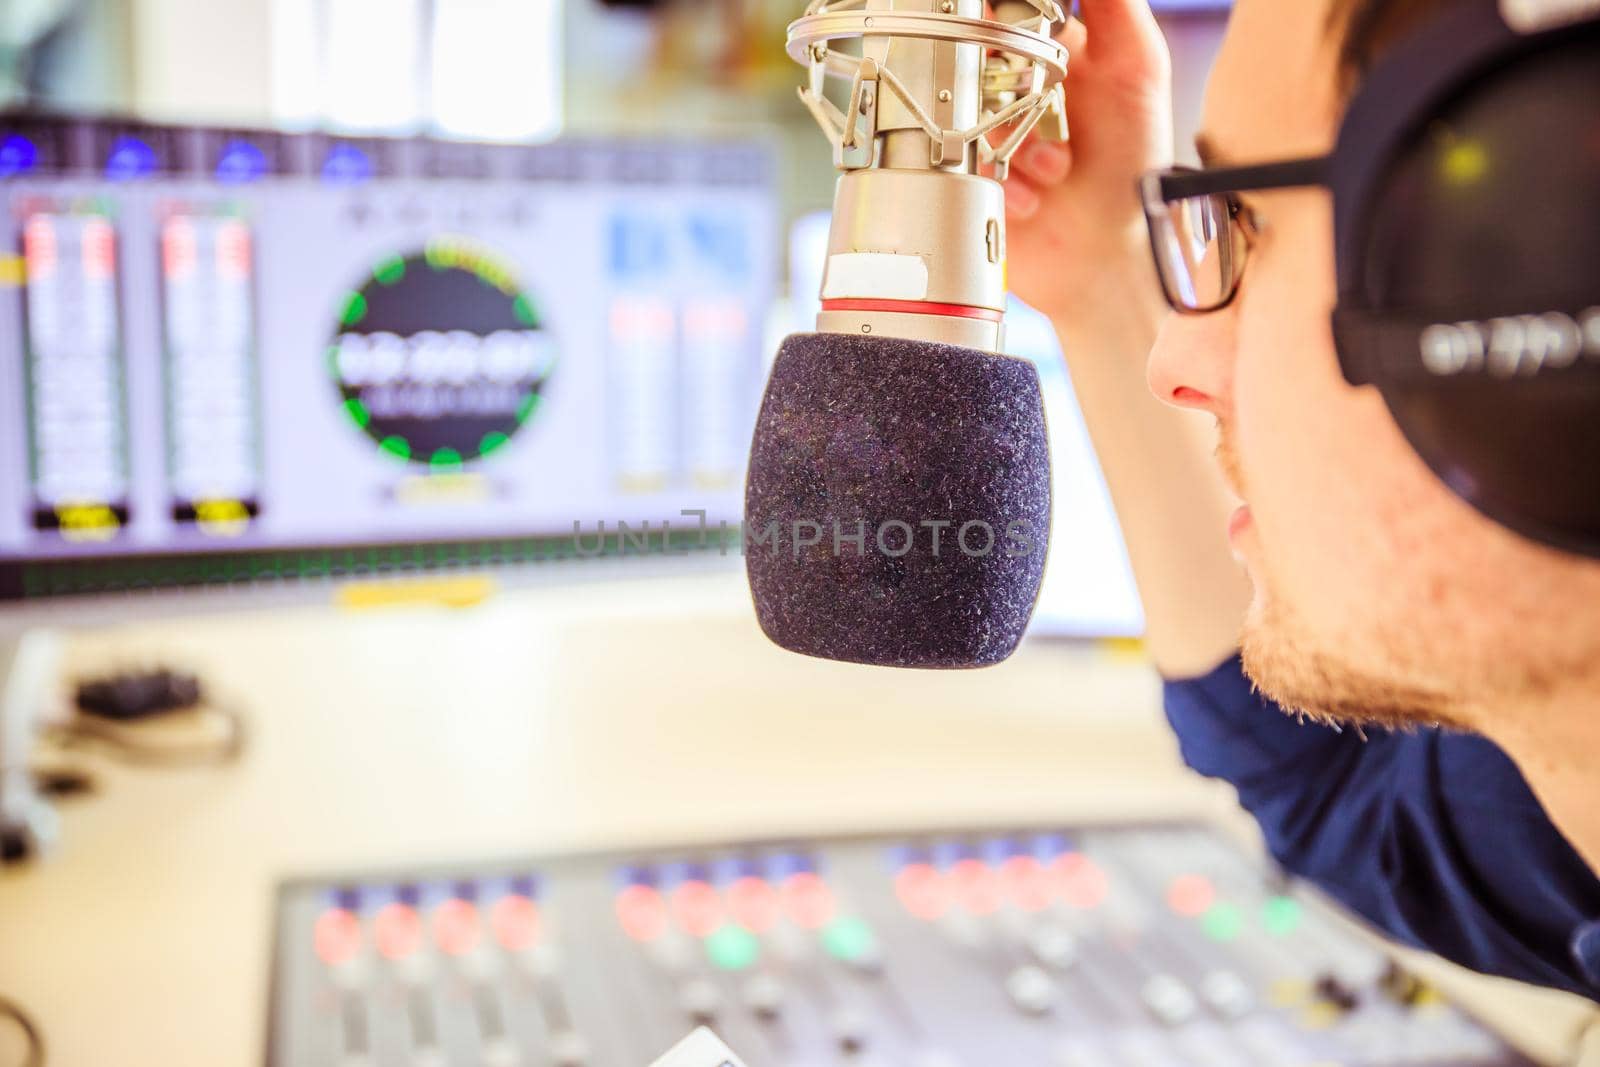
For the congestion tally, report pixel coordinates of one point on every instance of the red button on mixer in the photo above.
(1027, 885)
(754, 904)
(977, 886)
(456, 927)
(697, 907)
(397, 929)
(642, 912)
(1080, 881)
(922, 891)
(515, 920)
(337, 936)
(808, 900)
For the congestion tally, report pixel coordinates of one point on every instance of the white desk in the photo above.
(548, 720)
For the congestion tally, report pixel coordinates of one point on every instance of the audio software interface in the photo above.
(1151, 946)
(235, 355)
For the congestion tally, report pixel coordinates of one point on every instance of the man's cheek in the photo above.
(1308, 486)
(1398, 487)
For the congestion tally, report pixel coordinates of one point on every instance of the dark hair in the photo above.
(1367, 27)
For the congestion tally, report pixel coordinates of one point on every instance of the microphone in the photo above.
(897, 506)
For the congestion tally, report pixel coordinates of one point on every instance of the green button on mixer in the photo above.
(849, 939)
(1280, 915)
(732, 948)
(1223, 921)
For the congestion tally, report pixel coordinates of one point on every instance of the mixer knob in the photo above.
(1227, 994)
(1169, 1000)
(1333, 992)
(850, 1029)
(544, 961)
(1031, 990)
(500, 1053)
(480, 967)
(353, 974)
(1403, 987)
(1054, 946)
(790, 944)
(569, 1049)
(868, 960)
(701, 1000)
(673, 954)
(962, 929)
(415, 970)
(763, 995)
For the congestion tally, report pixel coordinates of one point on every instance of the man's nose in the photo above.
(1191, 365)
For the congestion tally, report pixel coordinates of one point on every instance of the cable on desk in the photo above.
(123, 742)
(109, 712)
(35, 1054)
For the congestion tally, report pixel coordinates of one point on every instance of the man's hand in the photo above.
(1078, 251)
(1077, 233)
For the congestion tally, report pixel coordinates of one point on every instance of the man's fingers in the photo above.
(1043, 161)
(1119, 27)
(1022, 200)
(1072, 34)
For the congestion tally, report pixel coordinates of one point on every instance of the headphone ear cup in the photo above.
(1525, 453)
(1488, 224)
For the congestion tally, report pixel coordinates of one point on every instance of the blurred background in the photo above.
(612, 76)
(461, 68)
(372, 691)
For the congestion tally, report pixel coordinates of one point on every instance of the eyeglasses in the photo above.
(1201, 232)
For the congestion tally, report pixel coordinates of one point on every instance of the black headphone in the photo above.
(1466, 186)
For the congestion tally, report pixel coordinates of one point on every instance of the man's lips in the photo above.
(1232, 478)
(1239, 522)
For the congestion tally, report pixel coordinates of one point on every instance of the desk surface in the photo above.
(564, 718)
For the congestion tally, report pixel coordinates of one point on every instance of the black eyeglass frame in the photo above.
(1160, 188)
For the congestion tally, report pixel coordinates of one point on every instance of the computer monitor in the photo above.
(243, 357)
(256, 362)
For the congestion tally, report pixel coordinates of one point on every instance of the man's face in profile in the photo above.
(1379, 597)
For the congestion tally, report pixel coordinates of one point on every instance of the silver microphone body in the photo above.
(917, 246)
(898, 497)
(918, 254)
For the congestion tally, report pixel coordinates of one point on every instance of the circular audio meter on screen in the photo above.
(441, 356)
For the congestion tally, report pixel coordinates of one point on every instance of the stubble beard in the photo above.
(1306, 677)
(1307, 674)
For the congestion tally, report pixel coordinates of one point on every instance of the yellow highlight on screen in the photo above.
(87, 522)
(1125, 649)
(463, 592)
(464, 254)
(222, 518)
(444, 488)
(13, 272)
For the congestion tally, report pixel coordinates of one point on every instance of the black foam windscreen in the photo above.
(1492, 215)
(898, 503)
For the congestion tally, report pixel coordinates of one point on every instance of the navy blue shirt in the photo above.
(1433, 835)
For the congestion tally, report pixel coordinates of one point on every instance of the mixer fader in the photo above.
(1124, 947)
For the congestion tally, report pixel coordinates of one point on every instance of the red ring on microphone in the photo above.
(915, 307)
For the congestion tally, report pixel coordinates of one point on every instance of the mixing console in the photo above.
(1135, 947)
